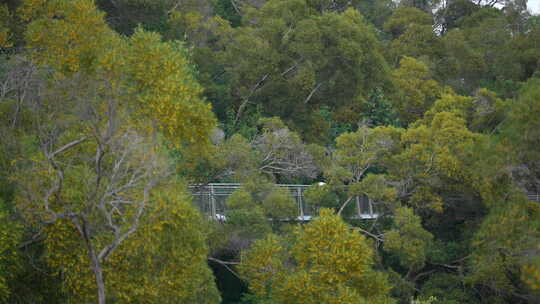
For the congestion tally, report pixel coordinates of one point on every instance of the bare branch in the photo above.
(344, 205)
(67, 146)
(246, 99)
(312, 92)
(226, 265)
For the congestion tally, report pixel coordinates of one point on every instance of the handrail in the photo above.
(208, 195)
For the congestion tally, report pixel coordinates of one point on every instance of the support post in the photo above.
(300, 203)
(370, 207)
(212, 201)
(358, 207)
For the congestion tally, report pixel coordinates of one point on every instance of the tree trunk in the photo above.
(96, 267)
(82, 227)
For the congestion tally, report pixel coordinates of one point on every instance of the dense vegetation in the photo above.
(110, 108)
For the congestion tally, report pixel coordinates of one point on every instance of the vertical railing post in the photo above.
(370, 207)
(300, 203)
(358, 207)
(212, 201)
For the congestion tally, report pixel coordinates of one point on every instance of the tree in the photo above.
(331, 264)
(434, 155)
(10, 237)
(505, 243)
(425, 5)
(294, 53)
(356, 155)
(23, 251)
(452, 15)
(413, 33)
(521, 135)
(254, 210)
(459, 66)
(483, 112)
(4, 30)
(416, 91)
(409, 240)
(376, 12)
(97, 154)
(275, 152)
(165, 260)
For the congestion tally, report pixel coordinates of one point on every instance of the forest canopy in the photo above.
(113, 113)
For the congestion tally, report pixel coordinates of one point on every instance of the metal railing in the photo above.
(535, 197)
(210, 199)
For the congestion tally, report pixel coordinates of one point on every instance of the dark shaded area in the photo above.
(230, 286)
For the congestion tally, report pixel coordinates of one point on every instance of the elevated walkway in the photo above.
(210, 199)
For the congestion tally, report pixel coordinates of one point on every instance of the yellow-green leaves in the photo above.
(164, 262)
(416, 90)
(432, 153)
(409, 240)
(404, 17)
(4, 30)
(10, 237)
(262, 265)
(103, 114)
(162, 84)
(505, 244)
(155, 78)
(364, 149)
(66, 35)
(331, 264)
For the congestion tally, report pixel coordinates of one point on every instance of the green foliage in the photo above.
(523, 115)
(288, 53)
(321, 196)
(453, 222)
(4, 30)
(165, 261)
(405, 16)
(247, 224)
(508, 232)
(332, 264)
(274, 202)
(10, 259)
(447, 289)
(226, 10)
(409, 240)
(377, 110)
(416, 90)
(376, 11)
(359, 151)
(483, 112)
(440, 151)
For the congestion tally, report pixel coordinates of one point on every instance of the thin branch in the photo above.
(246, 99)
(312, 92)
(345, 205)
(106, 252)
(377, 237)
(445, 265)
(423, 274)
(235, 6)
(226, 265)
(67, 146)
(287, 71)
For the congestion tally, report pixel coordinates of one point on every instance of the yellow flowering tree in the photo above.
(105, 109)
(324, 262)
(10, 237)
(416, 90)
(165, 261)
